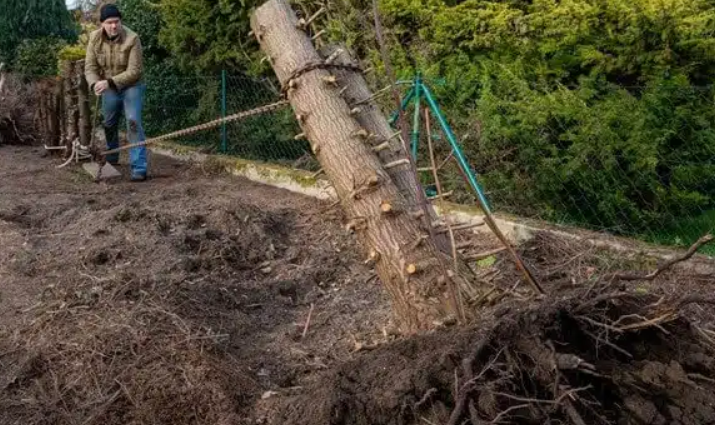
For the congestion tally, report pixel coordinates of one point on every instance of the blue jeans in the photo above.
(128, 101)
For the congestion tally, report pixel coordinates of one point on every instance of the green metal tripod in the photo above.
(419, 92)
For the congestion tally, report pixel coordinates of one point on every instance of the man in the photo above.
(113, 69)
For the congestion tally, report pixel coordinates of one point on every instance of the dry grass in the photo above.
(117, 353)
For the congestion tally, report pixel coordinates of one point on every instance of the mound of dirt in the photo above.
(618, 358)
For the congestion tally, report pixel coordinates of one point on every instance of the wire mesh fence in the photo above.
(265, 137)
(632, 161)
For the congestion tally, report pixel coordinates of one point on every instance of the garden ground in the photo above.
(197, 297)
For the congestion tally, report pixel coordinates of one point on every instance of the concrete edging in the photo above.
(517, 230)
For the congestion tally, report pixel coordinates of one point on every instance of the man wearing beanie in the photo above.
(113, 69)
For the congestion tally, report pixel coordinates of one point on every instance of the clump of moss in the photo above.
(72, 53)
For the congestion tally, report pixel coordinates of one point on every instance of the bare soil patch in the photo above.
(200, 298)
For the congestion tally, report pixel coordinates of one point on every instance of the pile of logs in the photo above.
(76, 119)
(63, 112)
(48, 112)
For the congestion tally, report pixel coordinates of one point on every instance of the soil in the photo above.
(196, 297)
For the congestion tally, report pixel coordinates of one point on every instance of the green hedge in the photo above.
(30, 20)
(598, 112)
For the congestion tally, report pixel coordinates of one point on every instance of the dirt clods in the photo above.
(592, 361)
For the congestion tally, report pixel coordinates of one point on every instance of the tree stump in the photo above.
(420, 279)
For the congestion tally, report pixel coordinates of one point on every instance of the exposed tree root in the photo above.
(611, 358)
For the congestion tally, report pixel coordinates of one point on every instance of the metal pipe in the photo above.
(405, 101)
(471, 178)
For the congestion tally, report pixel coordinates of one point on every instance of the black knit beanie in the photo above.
(109, 11)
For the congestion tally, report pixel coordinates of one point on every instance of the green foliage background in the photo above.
(30, 33)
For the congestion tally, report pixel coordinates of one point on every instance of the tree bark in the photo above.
(419, 277)
(359, 98)
(69, 104)
(55, 112)
(85, 119)
(364, 108)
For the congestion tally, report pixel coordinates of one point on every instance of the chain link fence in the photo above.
(636, 162)
(194, 100)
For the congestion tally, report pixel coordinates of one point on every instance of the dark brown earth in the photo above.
(184, 300)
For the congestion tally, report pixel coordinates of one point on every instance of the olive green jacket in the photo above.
(118, 61)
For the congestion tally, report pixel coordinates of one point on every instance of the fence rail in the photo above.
(638, 162)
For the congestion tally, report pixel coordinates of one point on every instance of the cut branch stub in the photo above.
(391, 149)
(419, 300)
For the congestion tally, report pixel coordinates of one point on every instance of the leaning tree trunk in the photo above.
(419, 277)
(365, 110)
(363, 107)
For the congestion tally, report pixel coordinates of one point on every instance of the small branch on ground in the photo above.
(691, 251)
(307, 321)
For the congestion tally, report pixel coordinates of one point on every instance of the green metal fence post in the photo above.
(224, 141)
(416, 119)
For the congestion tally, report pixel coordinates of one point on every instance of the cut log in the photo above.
(418, 276)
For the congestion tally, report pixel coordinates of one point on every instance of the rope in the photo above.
(235, 117)
(82, 152)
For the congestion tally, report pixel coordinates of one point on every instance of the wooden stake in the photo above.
(441, 195)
